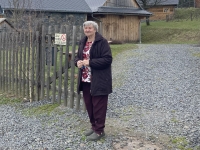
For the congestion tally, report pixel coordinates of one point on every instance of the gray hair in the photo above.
(94, 24)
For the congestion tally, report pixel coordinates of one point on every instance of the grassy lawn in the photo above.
(188, 25)
(6, 99)
(44, 109)
(119, 48)
(174, 32)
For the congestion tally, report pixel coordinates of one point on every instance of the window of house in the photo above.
(165, 10)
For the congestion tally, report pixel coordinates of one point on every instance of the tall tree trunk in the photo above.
(147, 21)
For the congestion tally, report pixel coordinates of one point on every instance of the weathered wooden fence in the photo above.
(32, 66)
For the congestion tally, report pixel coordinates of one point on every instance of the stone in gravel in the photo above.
(141, 144)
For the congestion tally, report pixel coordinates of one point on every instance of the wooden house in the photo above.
(162, 9)
(118, 19)
(197, 3)
(5, 25)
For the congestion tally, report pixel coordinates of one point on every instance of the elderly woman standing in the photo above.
(94, 59)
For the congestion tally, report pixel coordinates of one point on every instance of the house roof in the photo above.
(4, 19)
(160, 2)
(98, 8)
(94, 4)
(76, 6)
(169, 2)
(122, 10)
(51, 5)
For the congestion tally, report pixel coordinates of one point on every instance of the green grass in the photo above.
(174, 120)
(44, 109)
(196, 54)
(180, 143)
(197, 148)
(181, 25)
(161, 32)
(8, 100)
(119, 48)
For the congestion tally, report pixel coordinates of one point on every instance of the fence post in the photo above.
(37, 79)
(33, 49)
(3, 62)
(13, 62)
(78, 97)
(66, 66)
(6, 61)
(17, 67)
(28, 65)
(48, 50)
(0, 61)
(42, 62)
(55, 69)
(38, 60)
(74, 38)
(24, 65)
(1, 37)
(60, 69)
(167, 18)
(20, 65)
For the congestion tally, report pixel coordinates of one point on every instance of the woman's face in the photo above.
(89, 30)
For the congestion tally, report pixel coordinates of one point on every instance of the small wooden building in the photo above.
(162, 9)
(5, 25)
(118, 19)
(197, 3)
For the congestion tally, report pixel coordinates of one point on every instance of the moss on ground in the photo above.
(196, 54)
(119, 48)
(44, 109)
(180, 143)
(8, 100)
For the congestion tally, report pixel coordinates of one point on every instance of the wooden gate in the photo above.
(32, 66)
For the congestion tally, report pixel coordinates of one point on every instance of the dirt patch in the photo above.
(126, 139)
(134, 144)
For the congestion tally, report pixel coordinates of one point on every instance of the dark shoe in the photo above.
(95, 137)
(88, 132)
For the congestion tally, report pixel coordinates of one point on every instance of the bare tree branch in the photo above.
(24, 13)
(150, 3)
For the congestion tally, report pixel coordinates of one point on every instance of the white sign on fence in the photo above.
(60, 39)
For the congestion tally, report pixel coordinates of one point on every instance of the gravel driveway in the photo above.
(155, 104)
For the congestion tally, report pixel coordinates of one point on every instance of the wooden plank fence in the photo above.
(33, 67)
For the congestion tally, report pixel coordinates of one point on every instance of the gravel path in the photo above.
(156, 98)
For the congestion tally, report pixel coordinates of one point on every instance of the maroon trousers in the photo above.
(96, 107)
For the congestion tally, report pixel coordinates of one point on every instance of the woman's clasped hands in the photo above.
(82, 63)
